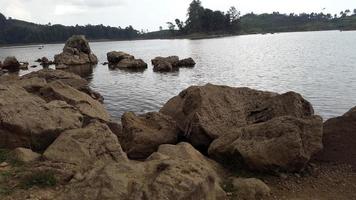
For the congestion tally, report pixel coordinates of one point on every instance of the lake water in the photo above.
(319, 65)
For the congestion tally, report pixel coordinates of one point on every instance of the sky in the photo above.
(149, 14)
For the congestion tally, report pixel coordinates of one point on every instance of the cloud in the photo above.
(91, 3)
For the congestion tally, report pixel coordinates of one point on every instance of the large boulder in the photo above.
(174, 172)
(121, 60)
(204, 113)
(339, 139)
(76, 52)
(11, 64)
(89, 107)
(85, 147)
(29, 121)
(283, 143)
(142, 135)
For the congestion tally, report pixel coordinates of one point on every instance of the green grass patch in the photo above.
(7, 156)
(40, 179)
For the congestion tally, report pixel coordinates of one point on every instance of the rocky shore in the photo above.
(57, 141)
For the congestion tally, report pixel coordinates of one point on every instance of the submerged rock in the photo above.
(339, 139)
(76, 52)
(173, 60)
(121, 60)
(24, 66)
(142, 135)
(11, 64)
(174, 172)
(163, 67)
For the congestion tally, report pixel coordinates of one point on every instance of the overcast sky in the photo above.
(149, 14)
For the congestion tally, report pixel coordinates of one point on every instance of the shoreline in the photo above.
(198, 36)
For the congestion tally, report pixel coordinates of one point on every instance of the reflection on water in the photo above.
(85, 71)
(319, 65)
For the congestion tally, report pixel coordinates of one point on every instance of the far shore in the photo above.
(197, 36)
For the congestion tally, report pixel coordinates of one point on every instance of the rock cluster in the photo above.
(263, 130)
(121, 60)
(76, 52)
(171, 63)
(44, 61)
(176, 153)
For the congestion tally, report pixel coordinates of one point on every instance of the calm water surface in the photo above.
(319, 65)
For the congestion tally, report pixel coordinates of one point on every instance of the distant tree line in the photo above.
(14, 31)
(199, 20)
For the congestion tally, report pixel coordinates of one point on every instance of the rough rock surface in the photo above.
(121, 60)
(76, 52)
(11, 64)
(89, 107)
(187, 62)
(250, 189)
(174, 172)
(68, 78)
(283, 143)
(28, 121)
(173, 60)
(205, 113)
(339, 139)
(163, 67)
(25, 155)
(84, 147)
(143, 134)
(117, 56)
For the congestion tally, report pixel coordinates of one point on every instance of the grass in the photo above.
(40, 179)
(7, 156)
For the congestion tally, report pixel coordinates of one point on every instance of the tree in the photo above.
(180, 24)
(171, 26)
(160, 28)
(355, 11)
(347, 12)
(195, 14)
(233, 13)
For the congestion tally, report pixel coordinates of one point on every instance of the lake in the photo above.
(319, 65)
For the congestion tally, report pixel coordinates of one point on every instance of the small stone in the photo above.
(4, 164)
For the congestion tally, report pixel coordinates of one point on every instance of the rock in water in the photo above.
(174, 172)
(28, 121)
(11, 64)
(76, 52)
(121, 60)
(142, 135)
(173, 60)
(163, 67)
(116, 56)
(187, 62)
(339, 139)
(283, 143)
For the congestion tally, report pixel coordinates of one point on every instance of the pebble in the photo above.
(4, 164)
